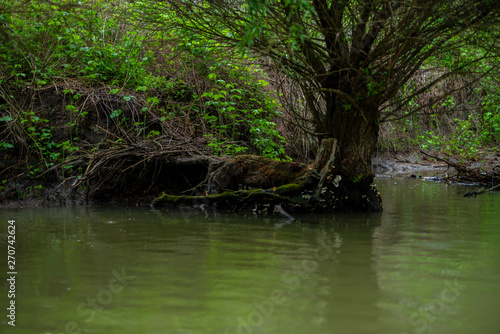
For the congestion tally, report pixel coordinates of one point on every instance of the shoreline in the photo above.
(383, 165)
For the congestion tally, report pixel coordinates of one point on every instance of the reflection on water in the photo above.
(428, 264)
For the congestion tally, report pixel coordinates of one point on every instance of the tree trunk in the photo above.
(357, 134)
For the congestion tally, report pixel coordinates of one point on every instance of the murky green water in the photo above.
(429, 264)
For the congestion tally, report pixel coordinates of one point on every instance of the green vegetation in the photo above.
(351, 65)
(154, 80)
(469, 138)
(457, 117)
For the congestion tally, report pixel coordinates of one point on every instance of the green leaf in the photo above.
(5, 119)
(153, 100)
(115, 113)
(263, 83)
(6, 145)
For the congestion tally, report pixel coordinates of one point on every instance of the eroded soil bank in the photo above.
(246, 183)
(236, 184)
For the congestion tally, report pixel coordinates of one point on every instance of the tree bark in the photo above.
(346, 185)
(356, 132)
(349, 185)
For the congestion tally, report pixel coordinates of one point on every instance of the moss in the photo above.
(289, 188)
(233, 197)
(166, 198)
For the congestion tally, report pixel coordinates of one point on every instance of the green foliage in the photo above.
(491, 132)
(229, 118)
(236, 105)
(102, 43)
(37, 139)
(466, 138)
(51, 40)
(491, 116)
(464, 142)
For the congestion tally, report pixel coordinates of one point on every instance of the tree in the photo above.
(351, 58)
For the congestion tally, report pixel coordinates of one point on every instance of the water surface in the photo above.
(428, 264)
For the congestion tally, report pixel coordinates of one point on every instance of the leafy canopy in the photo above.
(349, 55)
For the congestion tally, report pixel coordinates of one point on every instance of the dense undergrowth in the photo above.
(455, 118)
(158, 85)
(122, 84)
(466, 126)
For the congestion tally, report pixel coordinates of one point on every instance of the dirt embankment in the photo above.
(204, 179)
(401, 164)
(236, 184)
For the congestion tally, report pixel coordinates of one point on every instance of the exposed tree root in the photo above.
(251, 183)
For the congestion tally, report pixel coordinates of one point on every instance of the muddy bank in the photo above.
(236, 184)
(246, 183)
(403, 164)
(72, 144)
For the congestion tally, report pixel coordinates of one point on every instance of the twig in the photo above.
(449, 163)
(481, 191)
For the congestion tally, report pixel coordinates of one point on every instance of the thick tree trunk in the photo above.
(357, 134)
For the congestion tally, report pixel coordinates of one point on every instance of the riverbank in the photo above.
(130, 189)
(100, 105)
